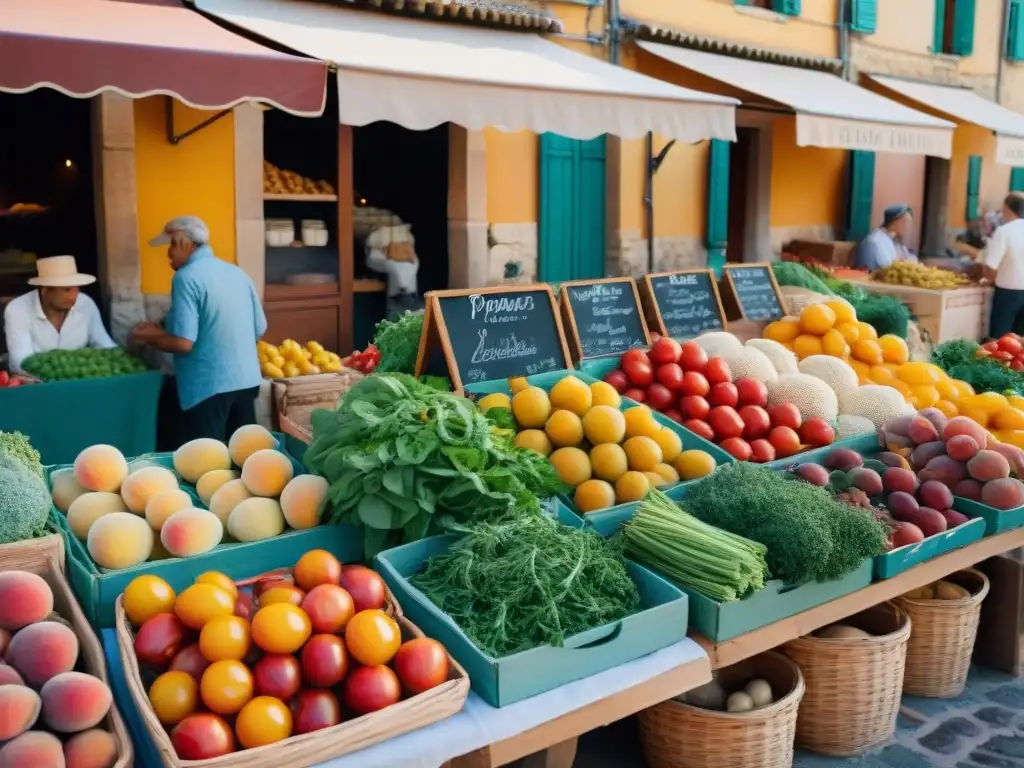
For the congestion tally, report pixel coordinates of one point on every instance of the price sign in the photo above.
(603, 317)
(684, 304)
(755, 291)
(494, 333)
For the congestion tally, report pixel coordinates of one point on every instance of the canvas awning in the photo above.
(830, 111)
(420, 74)
(85, 47)
(966, 105)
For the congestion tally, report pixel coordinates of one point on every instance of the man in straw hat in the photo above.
(54, 316)
(211, 329)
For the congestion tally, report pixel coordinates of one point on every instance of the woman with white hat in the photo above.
(55, 316)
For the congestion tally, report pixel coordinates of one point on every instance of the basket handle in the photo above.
(611, 635)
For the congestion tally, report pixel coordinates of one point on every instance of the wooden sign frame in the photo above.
(736, 295)
(569, 319)
(651, 301)
(435, 331)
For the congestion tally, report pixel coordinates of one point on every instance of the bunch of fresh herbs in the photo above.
(399, 342)
(959, 359)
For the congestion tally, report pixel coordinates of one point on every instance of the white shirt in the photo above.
(401, 274)
(29, 331)
(1005, 254)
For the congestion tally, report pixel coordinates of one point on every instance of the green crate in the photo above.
(662, 621)
(599, 367)
(861, 444)
(996, 520)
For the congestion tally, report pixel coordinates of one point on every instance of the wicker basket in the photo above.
(677, 735)
(853, 685)
(941, 645)
(307, 749)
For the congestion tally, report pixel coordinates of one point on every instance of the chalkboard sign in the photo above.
(494, 333)
(603, 317)
(756, 292)
(684, 304)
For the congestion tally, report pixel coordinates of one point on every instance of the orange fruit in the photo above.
(316, 567)
(571, 465)
(226, 687)
(948, 390)
(608, 461)
(264, 720)
(849, 331)
(670, 443)
(174, 696)
(867, 331)
(965, 389)
(948, 408)
(844, 311)
(604, 394)
(917, 374)
(202, 602)
(535, 440)
(218, 580)
(863, 371)
(145, 597)
(879, 374)
(894, 349)
(783, 331)
(642, 453)
(817, 319)
(833, 343)
(604, 424)
(632, 486)
(867, 351)
(974, 413)
(592, 495)
(281, 593)
(281, 628)
(372, 637)
(668, 473)
(571, 394)
(925, 394)
(564, 428)
(989, 402)
(694, 464)
(531, 407)
(225, 637)
(640, 421)
(806, 345)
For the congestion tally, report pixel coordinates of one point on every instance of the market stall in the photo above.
(954, 313)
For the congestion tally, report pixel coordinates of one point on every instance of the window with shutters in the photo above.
(954, 27)
(973, 187)
(788, 7)
(1017, 180)
(1015, 31)
(864, 16)
(860, 195)
(717, 234)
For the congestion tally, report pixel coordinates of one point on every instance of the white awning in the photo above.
(420, 74)
(966, 105)
(830, 111)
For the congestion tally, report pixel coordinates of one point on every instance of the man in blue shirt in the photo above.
(211, 329)
(884, 245)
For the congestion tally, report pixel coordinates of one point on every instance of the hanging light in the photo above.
(67, 163)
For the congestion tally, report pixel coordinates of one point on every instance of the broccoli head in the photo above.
(24, 502)
(16, 445)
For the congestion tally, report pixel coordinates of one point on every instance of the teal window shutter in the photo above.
(788, 7)
(864, 16)
(973, 186)
(963, 28)
(1015, 31)
(718, 204)
(860, 195)
(939, 30)
(1017, 180)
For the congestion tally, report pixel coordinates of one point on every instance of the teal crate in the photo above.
(661, 622)
(599, 367)
(899, 560)
(996, 520)
(861, 444)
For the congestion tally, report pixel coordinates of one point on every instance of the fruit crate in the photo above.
(996, 520)
(606, 521)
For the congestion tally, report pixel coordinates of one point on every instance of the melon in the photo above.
(852, 426)
(718, 342)
(835, 372)
(748, 361)
(876, 402)
(812, 396)
(782, 359)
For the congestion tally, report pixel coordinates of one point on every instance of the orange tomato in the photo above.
(218, 580)
(316, 567)
(145, 597)
(281, 628)
(226, 687)
(225, 637)
(264, 720)
(372, 637)
(174, 696)
(202, 602)
(283, 593)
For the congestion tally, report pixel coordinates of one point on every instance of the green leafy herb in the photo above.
(799, 276)
(958, 359)
(399, 343)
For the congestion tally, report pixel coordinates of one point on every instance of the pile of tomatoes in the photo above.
(238, 669)
(697, 391)
(365, 361)
(1007, 349)
(8, 380)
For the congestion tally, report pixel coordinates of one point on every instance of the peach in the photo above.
(1012, 454)
(100, 468)
(5, 640)
(921, 430)
(9, 675)
(255, 519)
(95, 748)
(962, 447)
(267, 472)
(42, 651)
(120, 540)
(75, 701)
(64, 488)
(968, 489)
(197, 457)
(141, 486)
(945, 470)
(302, 500)
(227, 497)
(962, 425)
(1005, 493)
(90, 507)
(191, 532)
(25, 598)
(165, 504)
(925, 452)
(211, 482)
(19, 710)
(247, 440)
(33, 749)
(988, 465)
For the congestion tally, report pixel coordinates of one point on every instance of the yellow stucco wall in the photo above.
(512, 172)
(807, 182)
(995, 179)
(195, 177)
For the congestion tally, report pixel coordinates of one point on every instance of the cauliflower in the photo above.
(24, 502)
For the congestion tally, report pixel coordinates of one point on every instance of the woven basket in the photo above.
(677, 735)
(853, 685)
(941, 645)
(307, 749)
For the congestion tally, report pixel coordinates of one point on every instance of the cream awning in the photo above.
(830, 111)
(966, 105)
(420, 74)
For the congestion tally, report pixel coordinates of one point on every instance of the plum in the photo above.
(945, 470)
(967, 489)
(891, 459)
(954, 518)
(962, 447)
(1005, 493)
(922, 431)
(934, 494)
(988, 465)
(926, 452)
(938, 419)
(897, 479)
(902, 505)
(866, 480)
(906, 533)
(929, 520)
(843, 459)
(812, 473)
(899, 426)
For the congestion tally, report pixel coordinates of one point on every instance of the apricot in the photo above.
(256, 519)
(227, 497)
(64, 488)
(33, 749)
(191, 532)
(9, 675)
(163, 505)
(1013, 454)
(25, 598)
(988, 465)
(211, 482)
(141, 486)
(94, 748)
(42, 651)
(75, 701)
(962, 425)
(197, 457)
(302, 500)
(120, 540)
(100, 468)
(1004, 493)
(90, 507)
(247, 440)
(19, 710)
(267, 472)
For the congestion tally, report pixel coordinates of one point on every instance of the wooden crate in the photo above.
(295, 399)
(946, 315)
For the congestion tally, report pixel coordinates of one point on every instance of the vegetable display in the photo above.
(1007, 349)
(365, 361)
(291, 359)
(919, 276)
(86, 363)
(399, 343)
(960, 360)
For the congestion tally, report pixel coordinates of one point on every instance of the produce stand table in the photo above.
(743, 647)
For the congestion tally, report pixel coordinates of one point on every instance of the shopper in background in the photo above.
(1003, 264)
(55, 316)
(211, 329)
(885, 244)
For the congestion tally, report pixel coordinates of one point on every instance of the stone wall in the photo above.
(783, 235)
(627, 253)
(515, 243)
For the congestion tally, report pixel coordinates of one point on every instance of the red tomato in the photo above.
(659, 397)
(636, 394)
(365, 586)
(664, 351)
(1002, 355)
(990, 346)
(670, 375)
(369, 689)
(4, 378)
(639, 373)
(724, 394)
(694, 407)
(633, 355)
(324, 661)
(202, 736)
(421, 664)
(785, 441)
(692, 357)
(655, 336)
(700, 428)
(618, 380)
(736, 447)
(725, 421)
(277, 675)
(817, 432)
(785, 415)
(159, 639)
(190, 659)
(751, 391)
(1011, 343)
(755, 422)
(675, 415)
(762, 451)
(313, 710)
(695, 384)
(717, 371)
(1017, 364)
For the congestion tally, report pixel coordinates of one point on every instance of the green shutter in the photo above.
(939, 29)
(1017, 180)
(718, 204)
(590, 253)
(860, 195)
(963, 28)
(864, 16)
(973, 187)
(1015, 31)
(788, 7)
